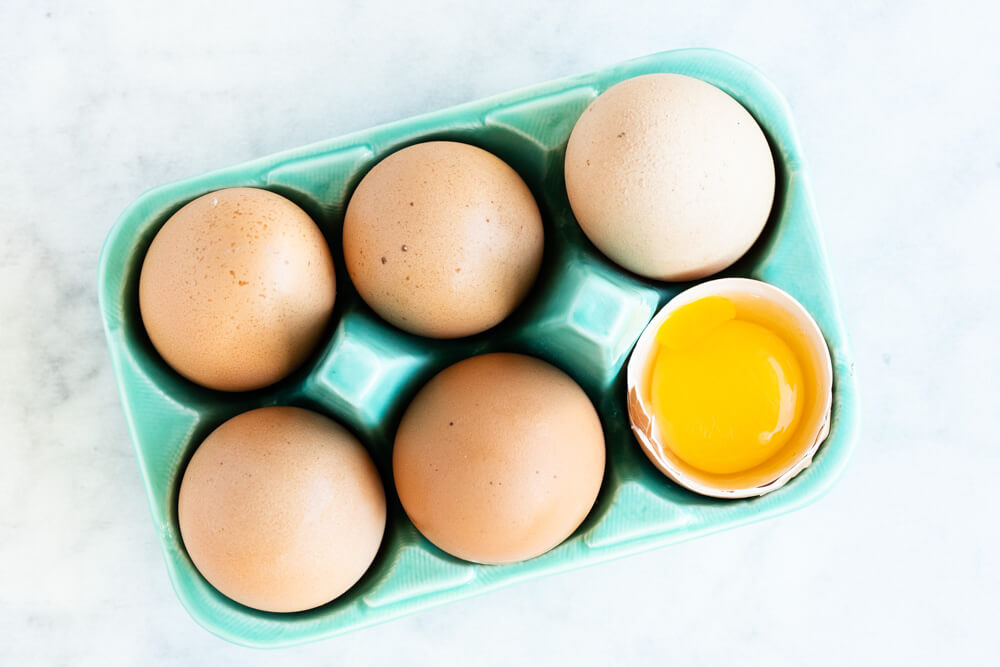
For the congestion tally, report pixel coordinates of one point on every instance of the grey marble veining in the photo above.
(897, 106)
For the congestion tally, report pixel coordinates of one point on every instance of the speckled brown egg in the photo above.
(237, 288)
(669, 176)
(499, 458)
(443, 239)
(281, 509)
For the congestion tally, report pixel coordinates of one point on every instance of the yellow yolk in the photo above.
(727, 392)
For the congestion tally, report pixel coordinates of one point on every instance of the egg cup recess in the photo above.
(583, 316)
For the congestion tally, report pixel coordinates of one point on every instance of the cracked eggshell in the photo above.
(770, 306)
(237, 288)
(443, 239)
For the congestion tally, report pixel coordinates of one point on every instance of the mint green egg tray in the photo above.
(584, 315)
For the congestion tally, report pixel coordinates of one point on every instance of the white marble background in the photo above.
(898, 105)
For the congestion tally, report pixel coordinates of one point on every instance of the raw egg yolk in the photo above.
(727, 392)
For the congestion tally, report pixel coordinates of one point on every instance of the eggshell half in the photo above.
(765, 304)
(499, 458)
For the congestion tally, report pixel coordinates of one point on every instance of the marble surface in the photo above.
(897, 105)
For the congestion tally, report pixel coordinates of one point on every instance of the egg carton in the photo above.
(584, 314)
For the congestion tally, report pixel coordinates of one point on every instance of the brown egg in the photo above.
(443, 239)
(281, 509)
(499, 458)
(669, 176)
(237, 288)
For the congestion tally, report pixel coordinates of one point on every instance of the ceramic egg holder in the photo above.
(584, 315)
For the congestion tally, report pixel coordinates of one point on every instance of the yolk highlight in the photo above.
(727, 392)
